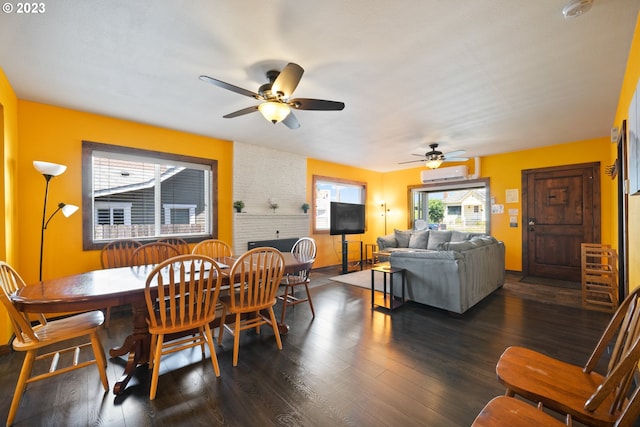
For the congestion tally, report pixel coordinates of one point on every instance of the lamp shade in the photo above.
(47, 168)
(434, 163)
(274, 111)
(68, 210)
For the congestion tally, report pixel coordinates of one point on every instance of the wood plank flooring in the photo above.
(350, 366)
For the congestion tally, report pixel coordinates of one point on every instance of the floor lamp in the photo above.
(49, 170)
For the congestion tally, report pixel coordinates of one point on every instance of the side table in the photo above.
(393, 302)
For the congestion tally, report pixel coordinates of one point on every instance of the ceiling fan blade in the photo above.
(241, 112)
(291, 121)
(454, 153)
(231, 87)
(315, 104)
(287, 80)
(455, 159)
(413, 161)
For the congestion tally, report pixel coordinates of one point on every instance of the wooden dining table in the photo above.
(95, 290)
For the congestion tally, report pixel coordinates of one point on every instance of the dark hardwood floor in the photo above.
(350, 366)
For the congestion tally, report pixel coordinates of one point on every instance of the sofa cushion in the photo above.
(457, 246)
(419, 239)
(437, 237)
(388, 241)
(402, 237)
(459, 236)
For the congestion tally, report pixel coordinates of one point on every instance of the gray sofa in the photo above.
(450, 270)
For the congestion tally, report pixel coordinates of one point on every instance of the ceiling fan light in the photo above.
(434, 163)
(275, 112)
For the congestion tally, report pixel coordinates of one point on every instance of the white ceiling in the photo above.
(485, 76)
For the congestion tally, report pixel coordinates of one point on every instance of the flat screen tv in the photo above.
(346, 218)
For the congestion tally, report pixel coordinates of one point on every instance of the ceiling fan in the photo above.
(276, 95)
(434, 158)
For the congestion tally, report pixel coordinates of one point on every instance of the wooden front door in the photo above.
(561, 210)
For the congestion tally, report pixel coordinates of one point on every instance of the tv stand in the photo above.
(345, 253)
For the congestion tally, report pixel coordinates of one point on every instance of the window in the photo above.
(462, 206)
(140, 194)
(329, 190)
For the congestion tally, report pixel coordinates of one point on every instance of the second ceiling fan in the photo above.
(276, 96)
(434, 158)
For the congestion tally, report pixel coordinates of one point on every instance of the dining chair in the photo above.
(255, 276)
(587, 396)
(114, 254)
(214, 248)
(31, 339)
(305, 247)
(504, 411)
(117, 253)
(153, 253)
(180, 244)
(181, 294)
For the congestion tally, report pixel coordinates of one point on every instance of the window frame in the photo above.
(88, 219)
(450, 186)
(337, 181)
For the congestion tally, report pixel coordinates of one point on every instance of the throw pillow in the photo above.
(402, 237)
(436, 237)
(419, 239)
(457, 246)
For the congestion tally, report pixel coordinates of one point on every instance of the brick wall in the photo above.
(261, 174)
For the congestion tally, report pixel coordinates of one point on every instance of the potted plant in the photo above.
(305, 207)
(238, 205)
(273, 205)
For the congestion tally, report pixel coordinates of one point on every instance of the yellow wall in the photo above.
(630, 82)
(330, 247)
(8, 185)
(55, 134)
(504, 171)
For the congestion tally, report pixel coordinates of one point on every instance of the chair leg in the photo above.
(101, 359)
(107, 317)
(285, 299)
(156, 366)
(236, 340)
(274, 325)
(214, 357)
(313, 312)
(25, 373)
(223, 318)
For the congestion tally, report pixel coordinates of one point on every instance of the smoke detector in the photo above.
(576, 8)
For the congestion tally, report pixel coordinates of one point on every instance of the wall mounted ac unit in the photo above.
(453, 173)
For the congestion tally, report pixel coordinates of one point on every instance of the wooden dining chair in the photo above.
(31, 339)
(214, 248)
(180, 244)
(114, 254)
(255, 276)
(587, 396)
(305, 247)
(117, 253)
(153, 253)
(504, 411)
(181, 295)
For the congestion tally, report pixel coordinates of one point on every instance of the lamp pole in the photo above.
(44, 224)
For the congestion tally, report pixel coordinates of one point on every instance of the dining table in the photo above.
(97, 289)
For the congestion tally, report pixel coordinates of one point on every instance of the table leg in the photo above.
(137, 345)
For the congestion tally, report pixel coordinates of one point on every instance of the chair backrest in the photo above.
(11, 282)
(153, 253)
(118, 253)
(623, 332)
(180, 244)
(213, 248)
(256, 275)
(305, 246)
(183, 291)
